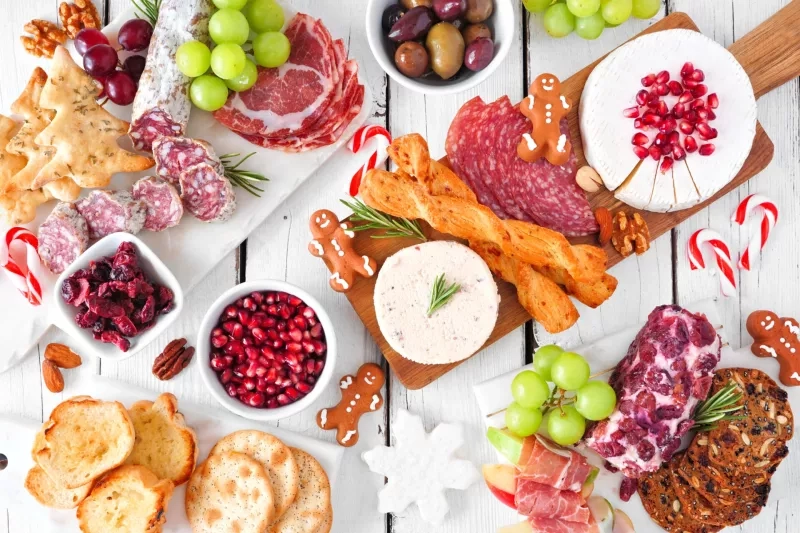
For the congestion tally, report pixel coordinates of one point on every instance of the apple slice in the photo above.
(509, 445)
(588, 485)
(522, 527)
(502, 482)
(622, 523)
(603, 513)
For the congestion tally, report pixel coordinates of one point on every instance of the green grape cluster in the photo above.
(588, 18)
(564, 417)
(227, 66)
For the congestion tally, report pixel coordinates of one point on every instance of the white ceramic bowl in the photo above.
(503, 26)
(155, 270)
(203, 347)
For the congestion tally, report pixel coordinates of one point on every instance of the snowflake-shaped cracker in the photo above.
(420, 467)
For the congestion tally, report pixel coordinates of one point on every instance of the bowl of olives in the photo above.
(440, 46)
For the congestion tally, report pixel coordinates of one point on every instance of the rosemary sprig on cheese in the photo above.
(441, 293)
(392, 226)
(148, 9)
(718, 408)
(240, 177)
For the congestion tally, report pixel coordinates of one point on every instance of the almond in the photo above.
(588, 179)
(53, 379)
(604, 220)
(62, 356)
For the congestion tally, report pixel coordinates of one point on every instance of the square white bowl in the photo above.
(156, 272)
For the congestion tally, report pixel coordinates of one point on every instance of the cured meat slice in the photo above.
(554, 525)
(162, 201)
(547, 194)
(108, 212)
(162, 103)
(173, 155)
(557, 467)
(63, 236)
(535, 499)
(207, 194)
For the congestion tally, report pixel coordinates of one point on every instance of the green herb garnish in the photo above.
(148, 9)
(441, 293)
(718, 408)
(393, 226)
(242, 178)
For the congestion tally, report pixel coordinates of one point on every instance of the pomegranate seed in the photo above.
(311, 380)
(218, 341)
(690, 84)
(241, 390)
(675, 88)
(226, 376)
(249, 304)
(273, 310)
(259, 334)
(678, 110)
(691, 116)
(640, 151)
(638, 124)
(271, 375)
(252, 353)
(662, 77)
(283, 399)
(219, 363)
(280, 325)
(311, 321)
(318, 367)
(272, 403)
(661, 139)
(237, 332)
(262, 385)
(668, 125)
(702, 114)
(320, 347)
(713, 101)
(303, 388)
(648, 80)
(239, 302)
(294, 347)
(700, 90)
(690, 144)
(228, 325)
(316, 331)
(662, 109)
(234, 348)
(652, 98)
(639, 139)
(240, 370)
(687, 69)
(282, 297)
(261, 371)
(706, 132)
(279, 358)
(255, 400)
(686, 127)
(277, 344)
(257, 297)
(310, 366)
(655, 152)
(651, 118)
(244, 316)
(674, 138)
(269, 322)
(666, 164)
(707, 149)
(697, 75)
(250, 383)
(686, 97)
(698, 104)
(284, 336)
(666, 149)
(272, 334)
(292, 393)
(231, 311)
(711, 114)
(295, 335)
(287, 312)
(248, 341)
(217, 332)
(294, 301)
(309, 313)
(662, 89)
(272, 390)
(251, 370)
(678, 153)
(631, 112)
(231, 389)
(267, 352)
(300, 322)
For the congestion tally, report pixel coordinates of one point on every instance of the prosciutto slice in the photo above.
(543, 501)
(554, 466)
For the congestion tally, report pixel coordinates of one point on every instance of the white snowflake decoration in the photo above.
(420, 467)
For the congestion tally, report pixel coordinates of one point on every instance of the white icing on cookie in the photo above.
(368, 379)
(796, 376)
(348, 436)
(564, 103)
(348, 232)
(323, 417)
(318, 247)
(792, 328)
(369, 270)
(346, 382)
(529, 140)
(769, 349)
(530, 101)
(375, 401)
(548, 106)
(338, 279)
(562, 142)
(338, 248)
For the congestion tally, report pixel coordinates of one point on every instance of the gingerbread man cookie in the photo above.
(360, 394)
(778, 338)
(545, 106)
(332, 242)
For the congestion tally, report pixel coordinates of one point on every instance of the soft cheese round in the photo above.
(402, 296)
(607, 133)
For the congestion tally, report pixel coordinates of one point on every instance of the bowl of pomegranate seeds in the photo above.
(266, 349)
(117, 297)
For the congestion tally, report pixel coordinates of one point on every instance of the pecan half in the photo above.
(78, 15)
(175, 357)
(46, 36)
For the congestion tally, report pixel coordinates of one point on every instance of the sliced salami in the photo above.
(63, 236)
(162, 103)
(207, 194)
(162, 201)
(108, 212)
(173, 155)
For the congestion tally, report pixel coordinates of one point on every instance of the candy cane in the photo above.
(25, 280)
(752, 254)
(724, 263)
(360, 138)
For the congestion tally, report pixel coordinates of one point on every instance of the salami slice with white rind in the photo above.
(108, 212)
(63, 236)
(173, 155)
(207, 194)
(162, 200)
(162, 105)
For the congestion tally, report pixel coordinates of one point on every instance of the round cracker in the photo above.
(230, 492)
(311, 509)
(327, 525)
(276, 458)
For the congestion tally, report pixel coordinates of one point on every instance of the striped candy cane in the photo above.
(25, 278)
(752, 254)
(364, 134)
(724, 263)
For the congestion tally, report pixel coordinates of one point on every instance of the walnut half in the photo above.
(45, 37)
(78, 15)
(630, 234)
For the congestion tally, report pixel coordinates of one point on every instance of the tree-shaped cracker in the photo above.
(83, 132)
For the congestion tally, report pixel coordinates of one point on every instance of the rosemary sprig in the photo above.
(240, 177)
(718, 408)
(441, 293)
(148, 9)
(393, 226)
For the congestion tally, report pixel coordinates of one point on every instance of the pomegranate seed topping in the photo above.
(630, 112)
(271, 375)
(706, 132)
(639, 139)
(262, 385)
(234, 347)
(690, 84)
(697, 75)
(251, 370)
(294, 347)
(662, 77)
(292, 393)
(675, 88)
(319, 366)
(226, 376)
(678, 153)
(662, 109)
(252, 353)
(244, 316)
(678, 110)
(702, 114)
(283, 399)
(686, 97)
(273, 310)
(668, 125)
(648, 80)
(230, 388)
(267, 352)
(309, 313)
(231, 311)
(277, 344)
(662, 89)
(687, 69)
(300, 322)
(249, 304)
(280, 325)
(295, 335)
(661, 139)
(237, 332)
(270, 298)
(674, 138)
(218, 363)
(316, 331)
(308, 346)
(640, 151)
(690, 144)
(686, 127)
(217, 331)
(655, 152)
(651, 119)
(250, 383)
(711, 115)
(255, 400)
(707, 149)
(666, 164)
(713, 101)
(218, 341)
(257, 297)
(303, 388)
(642, 97)
(700, 90)
(691, 116)
(282, 297)
(284, 336)
(294, 301)
(259, 335)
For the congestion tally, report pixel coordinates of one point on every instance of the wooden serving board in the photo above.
(770, 55)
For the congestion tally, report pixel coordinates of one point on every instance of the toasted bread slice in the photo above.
(310, 510)
(46, 492)
(275, 456)
(164, 443)
(229, 492)
(129, 499)
(83, 439)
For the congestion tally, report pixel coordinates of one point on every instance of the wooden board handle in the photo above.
(770, 54)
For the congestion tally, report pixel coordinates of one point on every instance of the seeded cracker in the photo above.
(698, 507)
(662, 504)
(83, 132)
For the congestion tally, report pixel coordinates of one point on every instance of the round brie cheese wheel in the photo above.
(607, 134)
(403, 293)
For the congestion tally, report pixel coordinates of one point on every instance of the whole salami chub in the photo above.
(162, 105)
(62, 237)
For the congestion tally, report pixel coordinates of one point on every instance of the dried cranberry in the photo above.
(164, 295)
(125, 326)
(122, 273)
(113, 337)
(610, 449)
(148, 309)
(86, 319)
(703, 333)
(627, 488)
(101, 271)
(659, 380)
(645, 450)
(669, 412)
(75, 291)
(104, 308)
(138, 288)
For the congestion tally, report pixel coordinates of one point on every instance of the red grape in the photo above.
(134, 65)
(121, 88)
(87, 38)
(135, 35)
(100, 60)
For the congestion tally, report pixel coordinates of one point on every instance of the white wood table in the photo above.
(278, 250)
